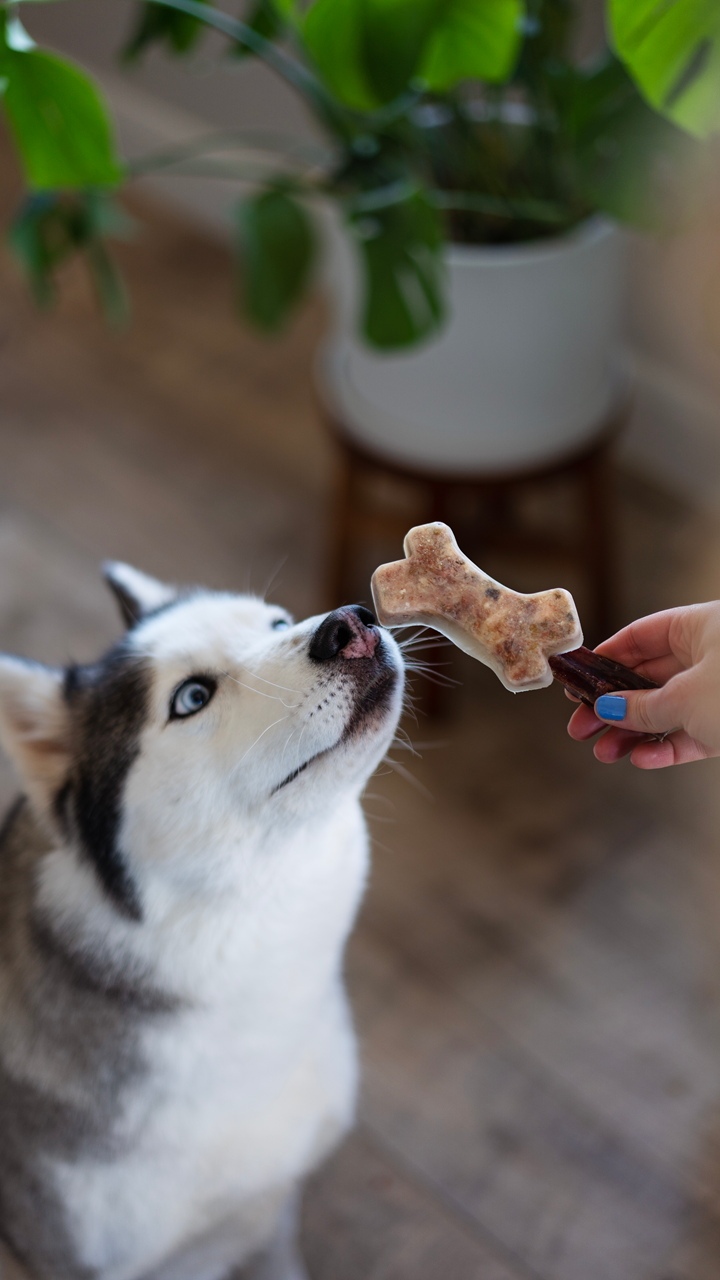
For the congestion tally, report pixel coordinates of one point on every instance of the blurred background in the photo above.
(536, 971)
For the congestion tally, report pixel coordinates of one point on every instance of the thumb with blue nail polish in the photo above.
(647, 711)
(638, 723)
(611, 706)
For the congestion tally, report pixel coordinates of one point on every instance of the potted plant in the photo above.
(464, 145)
(534, 177)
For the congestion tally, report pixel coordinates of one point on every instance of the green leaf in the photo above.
(333, 34)
(672, 48)
(476, 39)
(53, 227)
(368, 51)
(109, 285)
(180, 32)
(395, 35)
(276, 246)
(400, 246)
(58, 120)
(623, 148)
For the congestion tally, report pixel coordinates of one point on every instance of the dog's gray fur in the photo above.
(74, 1020)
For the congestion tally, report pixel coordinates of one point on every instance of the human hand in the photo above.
(680, 650)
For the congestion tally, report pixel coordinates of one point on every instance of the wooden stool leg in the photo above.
(599, 504)
(341, 530)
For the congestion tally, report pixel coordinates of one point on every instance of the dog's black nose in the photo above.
(350, 632)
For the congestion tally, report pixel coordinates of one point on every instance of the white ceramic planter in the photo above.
(523, 372)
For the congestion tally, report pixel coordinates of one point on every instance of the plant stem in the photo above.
(291, 71)
(304, 156)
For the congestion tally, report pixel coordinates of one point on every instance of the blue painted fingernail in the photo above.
(611, 707)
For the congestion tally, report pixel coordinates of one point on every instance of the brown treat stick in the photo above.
(587, 675)
(512, 633)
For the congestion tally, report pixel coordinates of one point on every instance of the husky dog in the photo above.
(176, 887)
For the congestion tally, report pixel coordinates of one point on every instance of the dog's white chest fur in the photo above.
(256, 1079)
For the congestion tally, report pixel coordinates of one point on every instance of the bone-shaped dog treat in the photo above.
(514, 634)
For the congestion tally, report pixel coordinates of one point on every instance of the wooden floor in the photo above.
(536, 973)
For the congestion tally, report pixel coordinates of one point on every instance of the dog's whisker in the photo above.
(402, 740)
(260, 735)
(377, 795)
(406, 626)
(423, 642)
(420, 655)
(256, 676)
(408, 705)
(418, 629)
(417, 664)
(443, 681)
(416, 656)
(302, 732)
(409, 777)
(283, 561)
(410, 650)
(288, 705)
(287, 740)
(426, 669)
(377, 844)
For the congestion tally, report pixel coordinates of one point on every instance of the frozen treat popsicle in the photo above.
(527, 640)
(512, 633)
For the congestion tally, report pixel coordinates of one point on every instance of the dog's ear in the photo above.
(34, 725)
(137, 593)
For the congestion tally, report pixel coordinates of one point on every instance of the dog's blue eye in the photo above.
(192, 696)
(280, 624)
